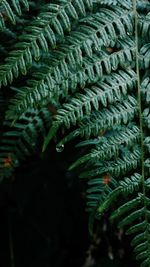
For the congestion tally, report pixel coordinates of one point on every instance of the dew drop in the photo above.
(59, 148)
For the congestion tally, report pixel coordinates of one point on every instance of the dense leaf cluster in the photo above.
(81, 68)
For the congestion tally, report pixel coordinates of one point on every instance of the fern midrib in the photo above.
(140, 105)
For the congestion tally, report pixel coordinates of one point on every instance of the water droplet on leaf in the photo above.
(59, 148)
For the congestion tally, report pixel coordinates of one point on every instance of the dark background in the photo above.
(43, 221)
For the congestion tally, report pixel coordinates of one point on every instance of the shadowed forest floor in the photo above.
(44, 222)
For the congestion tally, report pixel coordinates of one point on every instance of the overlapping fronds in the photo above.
(9, 10)
(53, 83)
(105, 190)
(80, 68)
(108, 147)
(109, 190)
(100, 121)
(43, 32)
(111, 90)
(138, 228)
(69, 68)
(21, 141)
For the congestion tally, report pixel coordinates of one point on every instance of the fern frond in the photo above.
(144, 26)
(21, 141)
(97, 194)
(144, 56)
(10, 9)
(104, 191)
(127, 162)
(147, 143)
(86, 67)
(108, 147)
(52, 83)
(108, 26)
(127, 3)
(143, 6)
(140, 229)
(106, 92)
(129, 185)
(103, 120)
(128, 206)
(146, 117)
(145, 87)
(100, 121)
(41, 34)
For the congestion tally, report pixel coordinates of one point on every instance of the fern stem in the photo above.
(139, 96)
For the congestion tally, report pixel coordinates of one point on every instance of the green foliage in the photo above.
(9, 9)
(21, 141)
(80, 68)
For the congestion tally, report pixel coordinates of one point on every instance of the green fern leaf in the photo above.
(57, 84)
(8, 9)
(40, 34)
(21, 141)
(108, 147)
